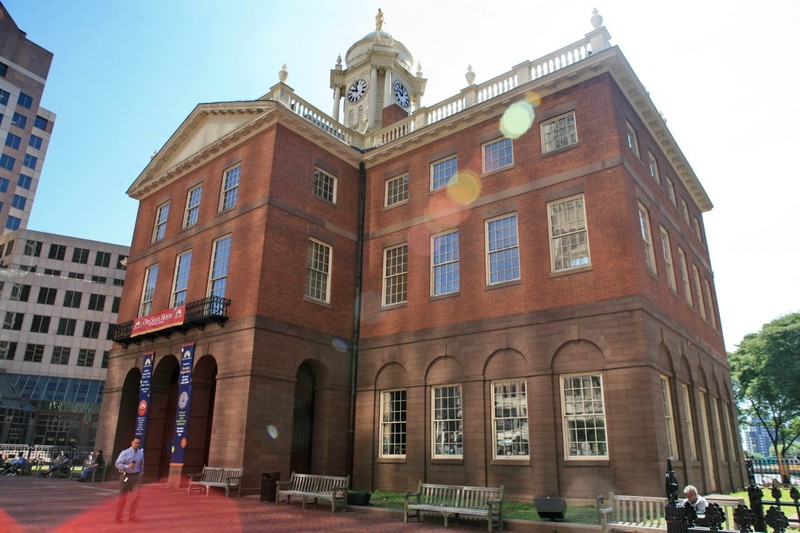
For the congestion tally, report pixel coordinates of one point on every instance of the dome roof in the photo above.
(384, 39)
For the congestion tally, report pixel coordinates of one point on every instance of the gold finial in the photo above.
(379, 20)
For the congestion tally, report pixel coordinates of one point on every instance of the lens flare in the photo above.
(272, 431)
(340, 345)
(517, 119)
(533, 98)
(464, 189)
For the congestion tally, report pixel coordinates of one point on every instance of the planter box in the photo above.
(358, 498)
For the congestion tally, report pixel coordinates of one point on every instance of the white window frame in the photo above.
(712, 315)
(687, 401)
(319, 260)
(395, 275)
(325, 185)
(510, 430)
(218, 269)
(652, 166)
(701, 304)
(671, 192)
(569, 234)
(445, 263)
(666, 247)
(148, 290)
(443, 164)
(495, 250)
(598, 412)
(180, 282)
(687, 287)
(160, 225)
(447, 422)
(230, 187)
(497, 154)
(396, 191)
(394, 424)
(192, 212)
(647, 239)
(633, 139)
(669, 418)
(559, 132)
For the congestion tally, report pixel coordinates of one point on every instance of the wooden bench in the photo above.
(314, 487)
(456, 500)
(646, 513)
(214, 476)
(98, 474)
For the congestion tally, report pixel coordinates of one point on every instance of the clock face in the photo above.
(357, 90)
(401, 95)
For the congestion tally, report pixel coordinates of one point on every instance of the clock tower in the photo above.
(375, 82)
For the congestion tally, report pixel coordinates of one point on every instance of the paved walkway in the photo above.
(32, 505)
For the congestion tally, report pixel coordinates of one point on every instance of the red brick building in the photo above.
(510, 287)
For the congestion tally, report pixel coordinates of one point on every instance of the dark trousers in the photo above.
(131, 486)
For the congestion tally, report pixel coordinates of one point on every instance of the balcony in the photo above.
(198, 314)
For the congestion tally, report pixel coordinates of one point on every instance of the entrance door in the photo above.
(303, 423)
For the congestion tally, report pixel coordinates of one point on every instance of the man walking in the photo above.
(130, 464)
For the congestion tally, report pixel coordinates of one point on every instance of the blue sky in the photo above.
(126, 74)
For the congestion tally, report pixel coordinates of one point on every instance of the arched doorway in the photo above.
(303, 420)
(126, 425)
(161, 423)
(201, 413)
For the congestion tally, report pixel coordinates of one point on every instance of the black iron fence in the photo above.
(41, 454)
(766, 471)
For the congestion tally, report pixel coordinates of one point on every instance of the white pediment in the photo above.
(208, 130)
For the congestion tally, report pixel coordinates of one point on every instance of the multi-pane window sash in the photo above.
(687, 406)
(57, 251)
(182, 265)
(91, 329)
(34, 353)
(510, 419)
(230, 188)
(66, 326)
(324, 186)
(393, 423)
(193, 198)
(80, 255)
(647, 239)
(687, 289)
(160, 228)
(712, 316)
(669, 418)
(72, 299)
(584, 417)
(47, 295)
(318, 271)
(148, 290)
(653, 167)
(219, 267)
(701, 304)
(448, 425)
(502, 254)
(443, 172)
(86, 357)
(97, 302)
(569, 238)
(102, 259)
(498, 154)
(40, 324)
(667, 249)
(60, 355)
(633, 141)
(8, 350)
(559, 132)
(395, 277)
(396, 190)
(445, 259)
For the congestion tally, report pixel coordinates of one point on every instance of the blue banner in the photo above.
(184, 405)
(143, 409)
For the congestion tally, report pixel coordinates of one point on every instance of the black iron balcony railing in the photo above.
(198, 314)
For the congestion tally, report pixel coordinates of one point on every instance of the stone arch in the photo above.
(201, 413)
(161, 421)
(665, 360)
(129, 399)
(576, 356)
(444, 369)
(392, 375)
(505, 363)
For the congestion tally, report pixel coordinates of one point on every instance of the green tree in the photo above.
(766, 378)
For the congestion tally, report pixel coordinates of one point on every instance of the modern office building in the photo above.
(25, 126)
(58, 296)
(755, 438)
(510, 287)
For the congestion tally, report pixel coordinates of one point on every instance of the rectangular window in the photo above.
(14, 141)
(647, 239)
(19, 202)
(57, 251)
(498, 154)
(20, 292)
(34, 353)
(72, 299)
(666, 396)
(559, 132)
(652, 166)
(396, 190)
(318, 266)
(19, 120)
(25, 100)
(712, 316)
(445, 275)
(102, 259)
(193, 198)
(97, 302)
(510, 420)
(698, 290)
(395, 275)
(180, 285)
(104, 362)
(40, 122)
(671, 192)
(32, 248)
(115, 304)
(28, 268)
(52, 272)
(687, 289)
(91, 329)
(667, 250)
(13, 321)
(86, 357)
(584, 417)
(80, 255)
(569, 238)
(4, 183)
(75, 275)
(697, 232)
(219, 267)
(66, 327)
(685, 211)
(324, 186)
(7, 162)
(393, 423)
(160, 226)
(47, 295)
(30, 161)
(40, 324)
(99, 279)
(8, 350)
(35, 142)
(148, 290)
(502, 250)
(122, 262)
(60, 355)
(4, 95)
(687, 407)
(443, 172)
(633, 140)
(448, 425)
(230, 188)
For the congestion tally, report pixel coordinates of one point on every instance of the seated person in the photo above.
(59, 464)
(696, 501)
(17, 466)
(92, 465)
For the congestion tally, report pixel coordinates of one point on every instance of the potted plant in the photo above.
(358, 497)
